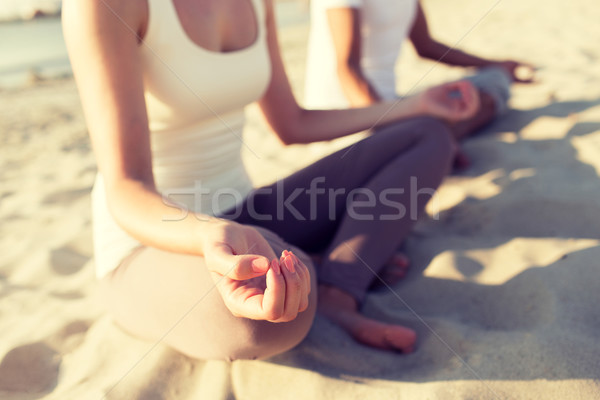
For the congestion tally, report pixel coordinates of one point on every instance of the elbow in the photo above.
(347, 69)
(119, 192)
(290, 130)
(428, 49)
(423, 51)
(288, 136)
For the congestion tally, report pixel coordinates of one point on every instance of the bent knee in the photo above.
(248, 339)
(431, 131)
(438, 129)
(438, 136)
(265, 340)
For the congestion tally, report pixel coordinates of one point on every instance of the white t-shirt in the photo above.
(385, 24)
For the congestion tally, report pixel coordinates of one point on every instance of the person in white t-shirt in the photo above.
(353, 49)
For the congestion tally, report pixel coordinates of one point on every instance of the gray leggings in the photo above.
(170, 297)
(357, 205)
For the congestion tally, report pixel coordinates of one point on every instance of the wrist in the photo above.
(333, 296)
(491, 63)
(361, 100)
(415, 105)
(205, 227)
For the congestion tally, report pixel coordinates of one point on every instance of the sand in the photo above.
(503, 288)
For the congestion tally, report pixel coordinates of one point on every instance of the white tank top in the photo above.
(195, 100)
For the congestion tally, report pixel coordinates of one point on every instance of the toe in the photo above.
(401, 338)
(400, 260)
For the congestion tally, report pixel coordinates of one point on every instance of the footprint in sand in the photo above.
(70, 336)
(32, 368)
(66, 196)
(67, 260)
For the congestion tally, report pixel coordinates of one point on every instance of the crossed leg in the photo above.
(171, 297)
(158, 295)
(356, 206)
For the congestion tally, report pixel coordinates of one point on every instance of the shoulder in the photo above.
(123, 8)
(268, 6)
(338, 3)
(132, 14)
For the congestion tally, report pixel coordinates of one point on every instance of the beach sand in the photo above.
(503, 288)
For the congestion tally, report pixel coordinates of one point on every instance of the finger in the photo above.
(293, 288)
(260, 245)
(471, 100)
(273, 302)
(303, 272)
(308, 280)
(468, 92)
(221, 259)
(524, 80)
(475, 104)
(524, 73)
(463, 95)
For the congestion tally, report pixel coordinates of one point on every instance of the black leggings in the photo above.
(357, 205)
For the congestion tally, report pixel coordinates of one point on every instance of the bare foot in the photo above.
(342, 309)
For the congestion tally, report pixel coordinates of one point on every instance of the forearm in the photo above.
(356, 87)
(320, 125)
(440, 52)
(156, 220)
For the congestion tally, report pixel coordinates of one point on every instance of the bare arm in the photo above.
(344, 24)
(427, 47)
(102, 40)
(294, 124)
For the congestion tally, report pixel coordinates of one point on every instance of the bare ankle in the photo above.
(341, 308)
(331, 296)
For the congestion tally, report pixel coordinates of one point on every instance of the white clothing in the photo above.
(385, 24)
(195, 100)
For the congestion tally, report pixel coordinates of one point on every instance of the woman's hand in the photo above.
(253, 283)
(516, 70)
(454, 101)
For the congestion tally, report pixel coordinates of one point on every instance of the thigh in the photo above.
(169, 297)
(305, 207)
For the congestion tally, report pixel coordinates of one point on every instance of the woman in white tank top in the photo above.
(163, 85)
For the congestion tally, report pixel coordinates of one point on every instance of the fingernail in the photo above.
(275, 267)
(260, 265)
(289, 264)
(296, 262)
